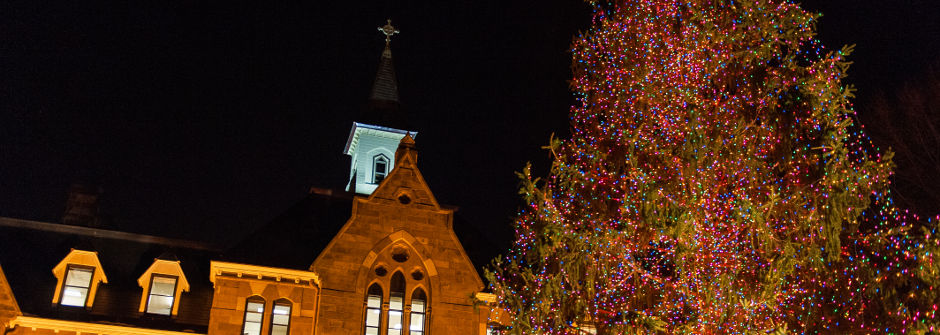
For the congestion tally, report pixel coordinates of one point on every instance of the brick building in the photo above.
(378, 257)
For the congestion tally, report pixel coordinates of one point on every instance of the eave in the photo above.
(58, 326)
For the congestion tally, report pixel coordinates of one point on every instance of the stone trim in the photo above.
(58, 326)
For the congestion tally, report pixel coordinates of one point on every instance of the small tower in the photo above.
(372, 145)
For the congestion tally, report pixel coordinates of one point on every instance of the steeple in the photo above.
(383, 107)
(385, 88)
(373, 140)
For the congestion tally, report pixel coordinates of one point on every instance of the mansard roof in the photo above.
(31, 249)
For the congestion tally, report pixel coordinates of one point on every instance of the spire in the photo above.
(385, 87)
(370, 141)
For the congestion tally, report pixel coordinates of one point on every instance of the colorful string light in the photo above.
(715, 183)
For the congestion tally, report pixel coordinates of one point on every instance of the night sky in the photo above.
(212, 117)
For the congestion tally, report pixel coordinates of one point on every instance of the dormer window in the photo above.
(78, 274)
(77, 285)
(380, 168)
(162, 284)
(162, 294)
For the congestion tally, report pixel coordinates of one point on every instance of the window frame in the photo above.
(290, 308)
(392, 292)
(65, 285)
(365, 318)
(375, 171)
(423, 313)
(176, 283)
(255, 299)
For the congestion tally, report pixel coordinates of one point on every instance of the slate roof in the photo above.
(383, 106)
(29, 250)
(294, 239)
(385, 86)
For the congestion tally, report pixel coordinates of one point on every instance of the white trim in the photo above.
(359, 128)
(217, 268)
(57, 326)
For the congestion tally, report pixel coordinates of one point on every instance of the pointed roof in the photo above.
(383, 107)
(385, 87)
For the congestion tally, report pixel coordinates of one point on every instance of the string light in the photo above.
(715, 183)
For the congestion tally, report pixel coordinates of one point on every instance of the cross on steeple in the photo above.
(388, 29)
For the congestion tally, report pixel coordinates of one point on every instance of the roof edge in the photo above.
(354, 131)
(104, 233)
(217, 268)
(86, 327)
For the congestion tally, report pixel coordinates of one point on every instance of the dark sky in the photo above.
(215, 116)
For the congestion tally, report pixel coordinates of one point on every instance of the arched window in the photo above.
(419, 303)
(254, 311)
(379, 168)
(280, 317)
(396, 304)
(373, 309)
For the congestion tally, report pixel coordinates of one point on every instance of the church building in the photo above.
(379, 256)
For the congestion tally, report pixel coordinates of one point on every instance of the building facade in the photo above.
(380, 256)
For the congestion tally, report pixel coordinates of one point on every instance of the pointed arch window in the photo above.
(280, 317)
(254, 313)
(419, 303)
(373, 309)
(396, 304)
(379, 168)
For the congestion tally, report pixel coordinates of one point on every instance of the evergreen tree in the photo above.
(714, 183)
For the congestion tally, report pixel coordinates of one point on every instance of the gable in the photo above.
(405, 185)
(403, 205)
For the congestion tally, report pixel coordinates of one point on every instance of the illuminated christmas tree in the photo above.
(714, 183)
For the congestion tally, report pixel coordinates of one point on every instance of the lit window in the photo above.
(280, 320)
(373, 309)
(396, 301)
(77, 284)
(254, 311)
(380, 168)
(418, 305)
(162, 283)
(77, 278)
(162, 292)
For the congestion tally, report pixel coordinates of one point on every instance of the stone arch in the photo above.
(383, 246)
(422, 287)
(284, 298)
